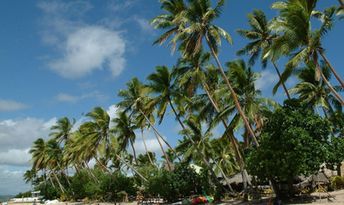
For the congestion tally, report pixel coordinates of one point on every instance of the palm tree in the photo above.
(314, 92)
(38, 152)
(193, 25)
(297, 39)
(62, 129)
(135, 99)
(261, 38)
(253, 104)
(54, 161)
(97, 134)
(124, 130)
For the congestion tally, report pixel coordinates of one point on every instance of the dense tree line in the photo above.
(205, 94)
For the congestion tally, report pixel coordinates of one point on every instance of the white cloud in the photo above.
(144, 24)
(12, 181)
(68, 98)
(11, 105)
(151, 142)
(83, 48)
(19, 134)
(120, 5)
(88, 49)
(267, 80)
(15, 157)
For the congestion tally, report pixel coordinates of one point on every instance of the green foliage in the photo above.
(48, 191)
(23, 194)
(182, 182)
(293, 142)
(337, 182)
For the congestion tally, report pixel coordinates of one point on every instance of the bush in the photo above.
(337, 182)
(293, 142)
(180, 183)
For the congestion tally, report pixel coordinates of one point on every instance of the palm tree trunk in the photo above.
(59, 183)
(234, 95)
(231, 137)
(225, 177)
(331, 67)
(158, 137)
(339, 98)
(133, 148)
(131, 167)
(164, 153)
(145, 145)
(102, 165)
(280, 77)
(341, 3)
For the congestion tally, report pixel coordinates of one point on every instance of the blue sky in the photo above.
(62, 58)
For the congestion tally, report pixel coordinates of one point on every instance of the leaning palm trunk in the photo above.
(134, 151)
(206, 162)
(280, 78)
(158, 137)
(59, 183)
(231, 137)
(331, 67)
(145, 145)
(131, 167)
(225, 177)
(335, 93)
(234, 95)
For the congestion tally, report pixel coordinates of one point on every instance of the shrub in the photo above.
(337, 182)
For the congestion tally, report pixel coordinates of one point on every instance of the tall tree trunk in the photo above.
(234, 95)
(169, 165)
(225, 177)
(280, 77)
(332, 69)
(131, 167)
(339, 98)
(134, 152)
(158, 137)
(229, 134)
(145, 145)
(59, 183)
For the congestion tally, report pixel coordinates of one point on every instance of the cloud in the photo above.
(144, 24)
(11, 105)
(12, 181)
(19, 134)
(18, 157)
(120, 5)
(151, 142)
(82, 48)
(88, 49)
(68, 98)
(267, 80)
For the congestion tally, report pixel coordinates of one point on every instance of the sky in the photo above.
(62, 58)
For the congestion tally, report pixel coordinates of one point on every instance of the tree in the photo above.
(313, 92)
(293, 143)
(298, 40)
(135, 99)
(124, 130)
(194, 24)
(261, 39)
(62, 129)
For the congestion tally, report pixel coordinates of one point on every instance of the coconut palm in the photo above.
(38, 152)
(54, 161)
(135, 100)
(253, 104)
(62, 129)
(195, 24)
(124, 130)
(297, 39)
(261, 38)
(314, 92)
